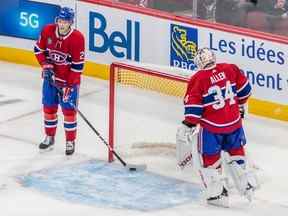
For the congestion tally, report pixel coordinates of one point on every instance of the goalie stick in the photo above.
(129, 167)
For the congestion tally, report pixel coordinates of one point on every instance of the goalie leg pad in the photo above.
(215, 190)
(245, 180)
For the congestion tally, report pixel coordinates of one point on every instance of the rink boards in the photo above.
(117, 32)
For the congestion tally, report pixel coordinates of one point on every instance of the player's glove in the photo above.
(185, 130)
(242, 110)
(48, 72)
(67, 94)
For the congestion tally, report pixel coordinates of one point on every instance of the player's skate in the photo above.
(47, 144)
(70, 147)
(221, 200)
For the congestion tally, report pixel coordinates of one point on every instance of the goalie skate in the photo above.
(221, 200)
(47, 144)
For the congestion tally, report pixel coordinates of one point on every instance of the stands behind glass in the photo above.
(262, 15)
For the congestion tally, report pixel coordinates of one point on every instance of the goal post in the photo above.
(155, 82)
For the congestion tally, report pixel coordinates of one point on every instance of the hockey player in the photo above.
(60, 52)
(214, 101)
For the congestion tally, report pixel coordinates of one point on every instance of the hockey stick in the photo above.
(129, 167)
(249, 159)
(194, 151)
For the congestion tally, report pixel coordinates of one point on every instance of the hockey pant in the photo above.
(50, 100)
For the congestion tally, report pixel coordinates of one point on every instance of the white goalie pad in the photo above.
(213, 182)
(184, 144)
(245, 180)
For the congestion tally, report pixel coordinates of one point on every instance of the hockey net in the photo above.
(145, 108)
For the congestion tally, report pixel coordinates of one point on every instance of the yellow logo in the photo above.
(184, 48)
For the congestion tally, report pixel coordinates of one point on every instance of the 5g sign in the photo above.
(26, 19)
(29, 20)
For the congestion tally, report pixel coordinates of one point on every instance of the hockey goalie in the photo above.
(212, 127)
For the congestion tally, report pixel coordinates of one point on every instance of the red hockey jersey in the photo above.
(65, 53)
(213, 96)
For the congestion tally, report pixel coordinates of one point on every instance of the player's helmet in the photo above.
(204, 58)
(66, 13)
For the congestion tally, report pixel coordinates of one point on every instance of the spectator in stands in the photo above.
(243, 8)
(232, 12)
(248, 5)
(277, 9)
(206, 10)
(277, 16)
(141, 3)
(256, 17)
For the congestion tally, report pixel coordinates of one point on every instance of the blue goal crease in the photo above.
(98, 183)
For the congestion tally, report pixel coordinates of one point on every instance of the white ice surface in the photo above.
(21, 130)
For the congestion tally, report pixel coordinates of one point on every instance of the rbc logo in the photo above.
(183, 48)
(120, 44)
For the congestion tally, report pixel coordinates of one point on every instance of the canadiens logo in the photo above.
(58, 57)
(49, 41)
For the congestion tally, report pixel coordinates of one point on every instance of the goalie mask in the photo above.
(204, 58)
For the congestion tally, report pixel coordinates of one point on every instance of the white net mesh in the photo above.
(148, 107)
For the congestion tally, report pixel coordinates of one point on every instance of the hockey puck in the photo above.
(132, 169)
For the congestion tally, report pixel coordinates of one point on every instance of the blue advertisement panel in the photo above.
(26, 19)
(183, 46)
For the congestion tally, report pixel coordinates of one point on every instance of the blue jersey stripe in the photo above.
(193, 110)
(245, 91)
(77, 67)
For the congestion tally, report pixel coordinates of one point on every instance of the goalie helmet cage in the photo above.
(142, 78)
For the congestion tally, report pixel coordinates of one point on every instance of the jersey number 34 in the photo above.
(222, 94)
